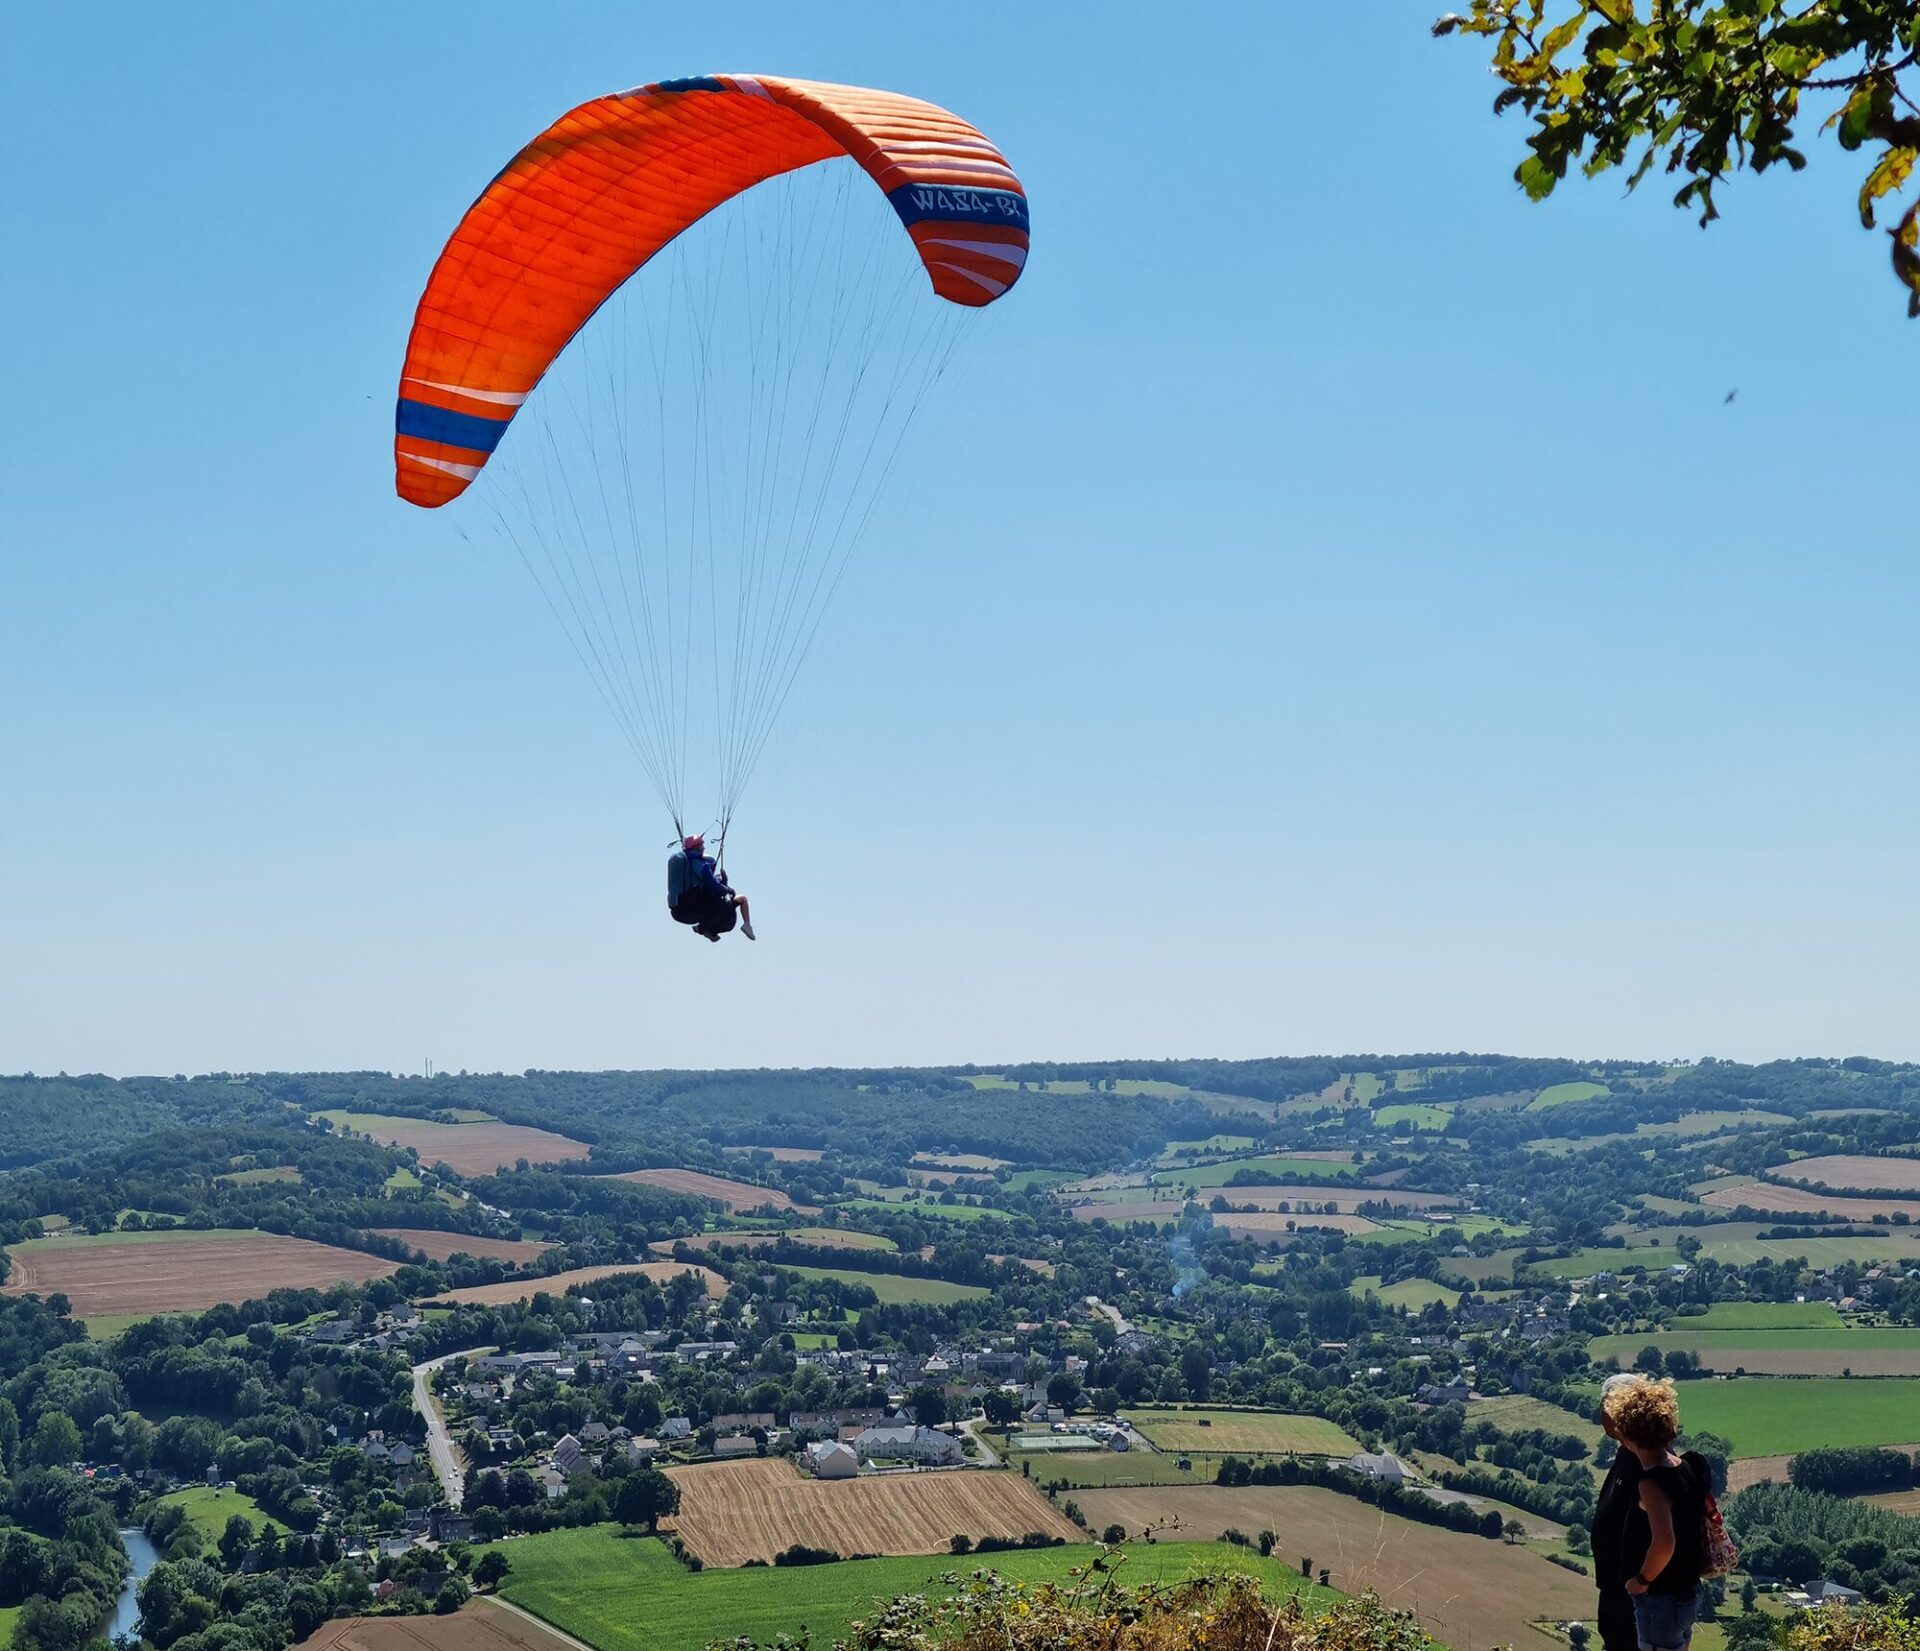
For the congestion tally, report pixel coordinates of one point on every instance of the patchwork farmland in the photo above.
(123, 1276)
(479, 1625)
(732, 1512)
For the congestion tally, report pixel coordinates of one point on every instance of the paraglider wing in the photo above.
(603, 189)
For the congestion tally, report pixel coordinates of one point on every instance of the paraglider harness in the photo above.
(701, 900)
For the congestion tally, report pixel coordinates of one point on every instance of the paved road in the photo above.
(447, 1466)
(1113, 1314)
(971, 1427)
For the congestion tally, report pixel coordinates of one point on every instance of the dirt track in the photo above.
(138, 1274)
(731, 1512)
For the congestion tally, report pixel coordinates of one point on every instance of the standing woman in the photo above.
(1619, 1493)
(1664, 1529)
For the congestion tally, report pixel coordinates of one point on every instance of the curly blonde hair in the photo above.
(1643, 1412)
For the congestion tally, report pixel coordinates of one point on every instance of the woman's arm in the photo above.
(1660, 1528)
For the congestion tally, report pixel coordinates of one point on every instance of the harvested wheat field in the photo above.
(479, 1625)
(731, 1512)
(136, 1275)
(439, 1246)
(1774, 1200)
(466, 1149)
(1162, 1211)
(729, 1195)
(1843, 1170)
(557, 1284)
(1467, 1590)
(821, 1238)
(1270, 1225)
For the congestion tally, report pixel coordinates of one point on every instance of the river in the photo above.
(126, 1612)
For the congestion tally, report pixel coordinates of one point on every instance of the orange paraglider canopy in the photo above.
(612, 182)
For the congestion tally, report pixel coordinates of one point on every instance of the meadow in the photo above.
(1763, 1315)
(1560, 1094)
(1825, 1352)
(621, 1592)
(1267, 1432)
(895, 1289)
(1411, 1293)
(1778, 1416)
(1417, 1113)
(923, 1207)
(1274, 1169)
(210, 1509)
(1515, 1412)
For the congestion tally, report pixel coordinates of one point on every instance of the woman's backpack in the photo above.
(1718, 1556)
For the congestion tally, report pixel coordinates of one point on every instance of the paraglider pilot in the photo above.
(700, 896)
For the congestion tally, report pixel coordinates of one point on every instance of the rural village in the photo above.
(341, 1348)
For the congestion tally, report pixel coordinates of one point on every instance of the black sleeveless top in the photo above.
(1686, 1488)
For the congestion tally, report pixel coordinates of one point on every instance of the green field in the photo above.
(1560, 1093)
(1411, 1293)
(1462, 1228)
(923, 1207)
(1416, 1113)
(1104, 1469)
(403, 1180)
(1762, 1315)
(1481, 1270)
(7, 1615)
(894, 1289)
(1277, 1170)
(1777, 1352)
(1155, 1087)
(1188, 1428)
(621, 1593)
(210, 1509)
(1039, 1180)
(1777, 1416)
(1517, 1412)
(254, 1177)
(1585, 1263)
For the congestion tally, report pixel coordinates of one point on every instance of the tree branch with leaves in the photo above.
(1702, 89)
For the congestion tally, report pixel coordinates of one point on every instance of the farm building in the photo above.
(832, 1460)
(1388, 1469)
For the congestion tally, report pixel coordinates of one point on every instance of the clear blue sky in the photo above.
(1354, 620)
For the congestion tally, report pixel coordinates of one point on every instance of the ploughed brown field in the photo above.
(1467, 1590)
(136, 1275)
(557, 1284)
(729, 1195)
(438, 1246)
(479, 1625)
(1763, 1195)
(785, 1155)
(731, 1512)
(477, 1149)
(1840, 1170)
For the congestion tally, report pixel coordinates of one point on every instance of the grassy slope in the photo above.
(1412, 1293)
(621, 1593)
